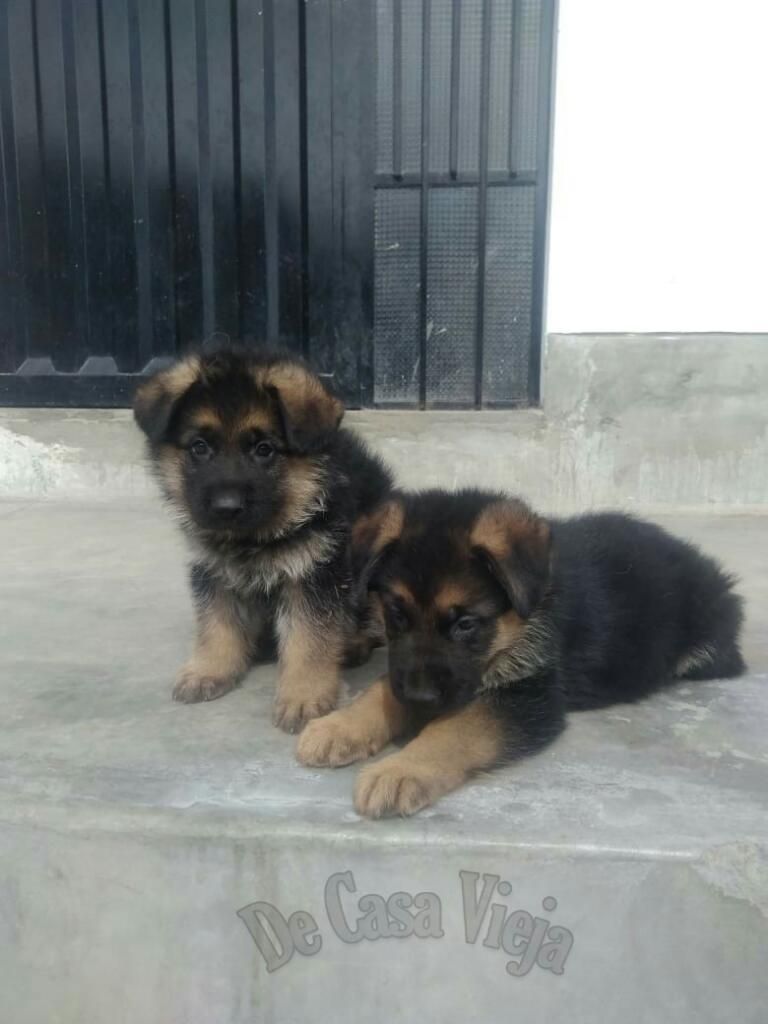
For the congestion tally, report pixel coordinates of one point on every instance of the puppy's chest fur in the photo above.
(251, 569)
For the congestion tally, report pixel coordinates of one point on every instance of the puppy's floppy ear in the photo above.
(372, 535)
(155, 398)
(309, 412)
(515, 544)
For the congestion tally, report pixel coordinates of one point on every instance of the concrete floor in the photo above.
(132, 829)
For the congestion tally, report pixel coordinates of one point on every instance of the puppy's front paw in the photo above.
(334, 741)
(193, 686)
(394, 786)
(290, 713)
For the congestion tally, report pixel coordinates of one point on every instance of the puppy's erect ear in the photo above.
(309, 411)
(155, 399)
(515, 544)
(372, 535)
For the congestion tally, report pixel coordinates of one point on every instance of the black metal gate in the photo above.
(363, 181)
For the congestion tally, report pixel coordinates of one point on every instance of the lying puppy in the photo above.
(249, 454)
(500, 622)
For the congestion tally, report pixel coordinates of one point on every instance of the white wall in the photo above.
(659, 217)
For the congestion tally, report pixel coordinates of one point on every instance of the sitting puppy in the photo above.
(500, 622)
(249, 454)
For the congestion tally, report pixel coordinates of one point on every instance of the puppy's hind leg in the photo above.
(716, 655)
(711, 662)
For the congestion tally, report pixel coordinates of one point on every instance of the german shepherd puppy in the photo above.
(500, 622)
(248, 452)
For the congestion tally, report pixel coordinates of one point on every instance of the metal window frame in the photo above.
(426, 180)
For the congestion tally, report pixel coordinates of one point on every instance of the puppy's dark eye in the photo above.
(397, 617)
(263, 450)
(464, 627)
(199, 448)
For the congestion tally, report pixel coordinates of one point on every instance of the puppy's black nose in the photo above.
(227, 503)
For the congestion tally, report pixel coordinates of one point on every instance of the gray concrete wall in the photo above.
(638, 421)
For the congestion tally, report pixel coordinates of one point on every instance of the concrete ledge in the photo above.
(644, 422)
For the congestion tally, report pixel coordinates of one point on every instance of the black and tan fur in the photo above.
(500, 622)
(250, 456)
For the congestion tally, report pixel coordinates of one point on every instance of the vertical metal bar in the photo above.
(364, 213)
(122, 290)
(155, 75)
(341, 147)
(453, 138)
(358, 169)
(319, 185)
(271, 239)
(55, 137)
(482, 198)
(173, 208)
(204, 185)
(397, 88)
(144, 347)
(104, 94)
(183, 124)
(511, 159)
(47, 333)
(7, 292)
(288, 80)
(13, 325)
(304, 180)
(223, 175)
(251, 225)
(424, 223)
(237, 171)
(90, 98)
(547, 40)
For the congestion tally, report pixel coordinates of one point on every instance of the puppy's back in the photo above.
(638, 607)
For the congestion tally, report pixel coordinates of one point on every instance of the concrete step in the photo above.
(648, 422)
(133, 829)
